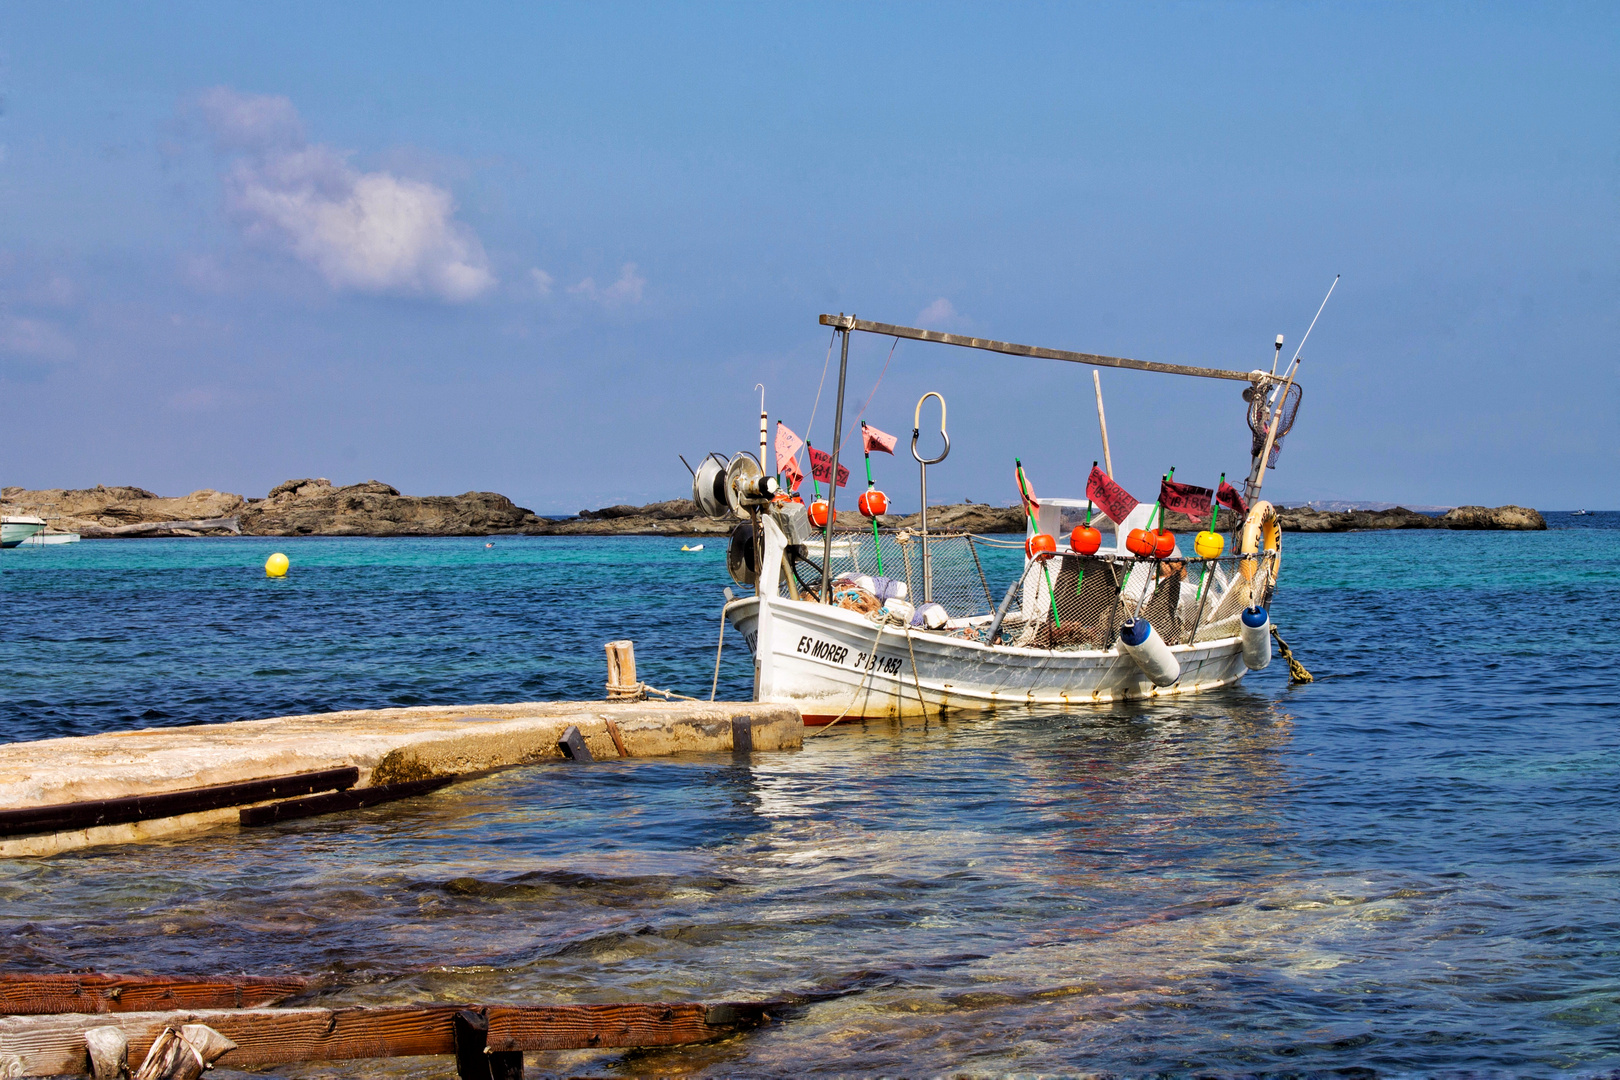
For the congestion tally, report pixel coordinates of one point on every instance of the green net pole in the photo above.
(1080, 577)
(1214, 520)
(870, 484)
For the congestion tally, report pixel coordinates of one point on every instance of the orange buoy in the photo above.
(873, 503)
(1140, 542)
(1164, 544)
(1085, 540)
(1041, 546)
(818, 513)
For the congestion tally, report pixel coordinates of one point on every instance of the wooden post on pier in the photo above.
(621, 672)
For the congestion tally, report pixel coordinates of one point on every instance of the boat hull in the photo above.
(14, 531)
(831, 662)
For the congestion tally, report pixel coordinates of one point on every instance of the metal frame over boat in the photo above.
(830, 634)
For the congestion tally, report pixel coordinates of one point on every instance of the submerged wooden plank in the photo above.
(85, 815)
(574, 1027)
(352, 799)
(33, 995)
(55, 1045)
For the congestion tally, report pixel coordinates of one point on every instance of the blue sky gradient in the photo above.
(541, 250)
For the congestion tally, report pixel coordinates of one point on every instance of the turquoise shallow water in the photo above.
(1410, 866)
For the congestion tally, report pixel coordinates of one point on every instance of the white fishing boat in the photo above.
(882, 623)
(51, 539)
(14, 529)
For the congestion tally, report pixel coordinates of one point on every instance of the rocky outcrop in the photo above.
(316, 508)
(1497, 517)
(1305, 519)
(125, 511)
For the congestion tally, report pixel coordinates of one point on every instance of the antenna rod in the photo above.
(1318, 315)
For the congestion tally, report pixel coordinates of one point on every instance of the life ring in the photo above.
(1262, 532)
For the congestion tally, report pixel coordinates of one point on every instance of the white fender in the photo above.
(1256, 635)
(1151, 654)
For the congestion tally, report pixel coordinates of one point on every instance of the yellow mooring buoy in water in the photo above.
(276, 565)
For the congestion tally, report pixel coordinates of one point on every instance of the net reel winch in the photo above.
(741, 488)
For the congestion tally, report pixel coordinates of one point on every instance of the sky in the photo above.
(543, 250)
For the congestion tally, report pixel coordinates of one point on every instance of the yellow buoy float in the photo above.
(276, 565)
(1209, 545)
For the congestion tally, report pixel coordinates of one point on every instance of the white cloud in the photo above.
(939, 315)
(33, 338)
(368, 232)
(626, 290)
(541, 281)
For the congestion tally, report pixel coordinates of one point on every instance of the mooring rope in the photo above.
(1296, 670)
(915, 682)
(870, 667)
(715, 687)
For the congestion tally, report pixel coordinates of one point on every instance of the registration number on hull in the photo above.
(841, 655)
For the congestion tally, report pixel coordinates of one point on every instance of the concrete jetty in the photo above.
(125, 787)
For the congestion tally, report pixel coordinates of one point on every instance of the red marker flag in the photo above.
(787, 448)
(790, 469)
(1189, 499)
(1229, 496)
(873, 439)
(1114, 500)
(821, 467)
(1026, 491)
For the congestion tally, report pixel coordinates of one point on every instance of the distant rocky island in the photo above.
(316, 507)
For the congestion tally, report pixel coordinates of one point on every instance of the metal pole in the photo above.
(832, 482)
(764, 466)
(1102, 422)
(928, 571)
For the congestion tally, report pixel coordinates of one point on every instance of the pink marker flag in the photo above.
(821, 467)
(873, 439)
(787, 448)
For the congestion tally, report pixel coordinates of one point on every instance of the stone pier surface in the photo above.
(383, 747)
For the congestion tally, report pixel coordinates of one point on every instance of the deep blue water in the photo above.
(1410, 866)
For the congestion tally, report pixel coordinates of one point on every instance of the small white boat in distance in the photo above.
(15, 529)
(693, 547)
(50, 539)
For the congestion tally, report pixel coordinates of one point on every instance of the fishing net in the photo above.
(1068, 602)
(954, 577)
(1262, 408)
(1075, 602)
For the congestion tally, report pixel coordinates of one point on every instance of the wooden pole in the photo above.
(1093, 359)
(621, 671)
(1102, 422)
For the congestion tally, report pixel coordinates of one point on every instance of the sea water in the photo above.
(1409, 866)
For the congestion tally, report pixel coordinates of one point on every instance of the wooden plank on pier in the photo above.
(86, 815)
(333, 802)
(55, 1045)
(34, 995)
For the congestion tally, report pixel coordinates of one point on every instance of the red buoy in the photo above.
(818, 513)
(873, 503)
(1140, 542)
(1041, 546)
(1085, 540)
(1164, 544)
